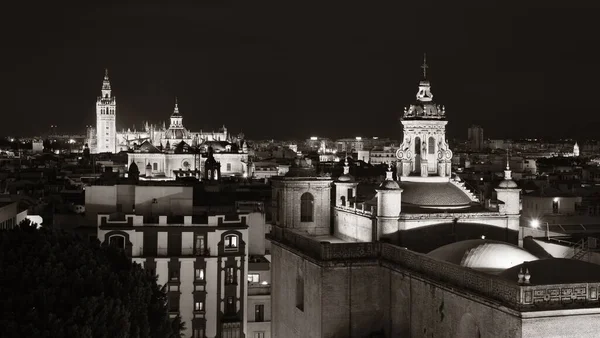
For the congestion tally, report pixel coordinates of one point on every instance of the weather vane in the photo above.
(424, 66)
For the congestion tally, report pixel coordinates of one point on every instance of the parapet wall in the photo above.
(511, 294)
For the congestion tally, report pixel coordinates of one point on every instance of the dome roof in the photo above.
(481, 254)
(434, 195)
(346, 178)
(555, 271)
(508, 184)
(389, 185)
(176, 133)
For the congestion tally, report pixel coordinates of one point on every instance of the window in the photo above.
(253, 278)
(229, 276)
(228, 166)
(198, 333)
(198, 306)
(154, 166)
(431, 145)
(173, 300)
(306, 207)
(231, 243)
(117, 241)
(417, 146)
(199, 275)
(199, 245)
(555, 206)
(174, 274)
(230, 306)
(259, 313)
(259, 335)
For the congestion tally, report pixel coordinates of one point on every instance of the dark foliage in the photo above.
(53, 284)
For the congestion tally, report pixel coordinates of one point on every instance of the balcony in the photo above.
(164, 252)
(255, 289)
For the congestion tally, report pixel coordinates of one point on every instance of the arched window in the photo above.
(306, 207)
(231, 243)
(431, 145)
(117, 241)
(417, 146)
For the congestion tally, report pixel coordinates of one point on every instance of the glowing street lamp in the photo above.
(535, 223)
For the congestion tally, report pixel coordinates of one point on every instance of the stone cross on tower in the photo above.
(424, 66)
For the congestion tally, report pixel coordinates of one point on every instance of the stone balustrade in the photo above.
(358, 208)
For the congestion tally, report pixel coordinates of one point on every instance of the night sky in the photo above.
(291, 71)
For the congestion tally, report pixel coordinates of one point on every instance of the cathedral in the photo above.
(417, 255)
(170, 152)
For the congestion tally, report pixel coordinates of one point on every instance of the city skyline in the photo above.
(243, 66)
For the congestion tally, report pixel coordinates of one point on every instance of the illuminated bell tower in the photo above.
(424, 150)
(106, 127)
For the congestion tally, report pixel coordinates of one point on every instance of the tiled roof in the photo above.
(433, 194)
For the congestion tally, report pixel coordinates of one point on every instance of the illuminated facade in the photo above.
(104, 137)
(201, 259)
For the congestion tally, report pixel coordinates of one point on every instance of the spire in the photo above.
(176, 110)
(424, 66)
(388, 173)
(346, 167)
(507, 172)
(106, 81)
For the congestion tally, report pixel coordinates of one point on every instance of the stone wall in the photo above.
(359, 289)
(353, 225)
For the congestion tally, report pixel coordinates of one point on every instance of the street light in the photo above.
(535, 223)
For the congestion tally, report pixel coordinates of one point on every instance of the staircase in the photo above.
(462, 186)
(584, 247)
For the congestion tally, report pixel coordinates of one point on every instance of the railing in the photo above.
(165, 252)
(259, 290)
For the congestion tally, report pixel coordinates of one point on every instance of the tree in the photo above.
(55, 284)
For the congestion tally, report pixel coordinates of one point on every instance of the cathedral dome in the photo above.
(176, 133)
(483, 255)
(437, 195)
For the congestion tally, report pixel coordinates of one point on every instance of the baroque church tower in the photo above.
(424, 151)
(106, 127)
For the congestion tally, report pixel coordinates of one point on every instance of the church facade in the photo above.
(419, 257)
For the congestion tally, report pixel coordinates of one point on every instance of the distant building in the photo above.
(475, 137)
(105, 137)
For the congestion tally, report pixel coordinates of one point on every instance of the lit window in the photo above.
(253, 278)
(199, 274)
(231, 243)
(198, 306)
(229, 276)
